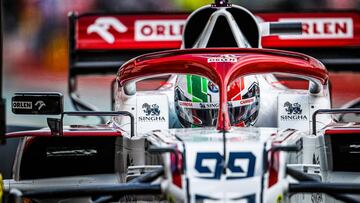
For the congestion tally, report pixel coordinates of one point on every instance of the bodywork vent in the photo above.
(344, 152)
(50, 157)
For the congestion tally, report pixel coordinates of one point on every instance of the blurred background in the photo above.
(36, 52)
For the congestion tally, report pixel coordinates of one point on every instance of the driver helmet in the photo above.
(197, 101)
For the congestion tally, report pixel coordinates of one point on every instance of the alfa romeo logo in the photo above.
(212, 87)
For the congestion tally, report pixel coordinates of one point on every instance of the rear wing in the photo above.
(101, 43)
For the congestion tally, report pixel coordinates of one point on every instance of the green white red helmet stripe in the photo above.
(234, 91)
(197, 101)
(197, 87)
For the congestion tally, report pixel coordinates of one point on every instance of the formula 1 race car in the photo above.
(219, 120)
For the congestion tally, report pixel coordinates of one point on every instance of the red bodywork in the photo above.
(195, 61)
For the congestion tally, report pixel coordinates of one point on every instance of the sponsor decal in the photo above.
(151, 119)
(152, 110)
(242, 102)
(199, 105)
(247, 101)
(185, 104)
(212, 87)
(22, 105)
(102, 25)
(165, 31)
(152, 113)
(223, 58)
(294, 112)
(240, 165)
(54, 152)
(209, 105)
(322, 28)
(40, 104)
(159, 30)
(294, 108)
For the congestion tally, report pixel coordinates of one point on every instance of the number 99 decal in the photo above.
(210, 165)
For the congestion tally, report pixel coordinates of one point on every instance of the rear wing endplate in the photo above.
(101, 43)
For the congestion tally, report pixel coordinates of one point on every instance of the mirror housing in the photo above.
(38, 103)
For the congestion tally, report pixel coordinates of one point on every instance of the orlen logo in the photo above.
(322, 28)
(22, 104)
(102, 25)
(159, 30)
(223, 58)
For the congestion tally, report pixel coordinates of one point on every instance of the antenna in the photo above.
(221, 3)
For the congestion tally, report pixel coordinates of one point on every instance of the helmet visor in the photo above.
(199, 114)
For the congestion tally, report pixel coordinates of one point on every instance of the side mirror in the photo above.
(38, 103)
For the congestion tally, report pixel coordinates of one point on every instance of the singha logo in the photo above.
(152, 113)
(293, 112)
(294, 108)
(151, 110)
